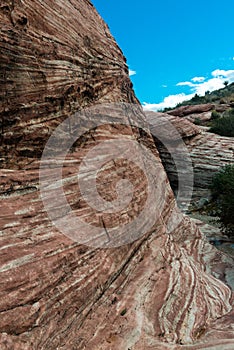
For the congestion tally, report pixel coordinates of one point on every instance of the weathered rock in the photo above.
(185, 128)
(201, 110)
(156, 292)
(208, 151)
(191, 109)
(49, 72)
(199, 113)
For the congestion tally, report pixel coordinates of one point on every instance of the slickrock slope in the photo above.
(174, 154)
(156, 293)
(56, 57)
(186, 110)
(184, 127)
(202, 111)
(208, 151)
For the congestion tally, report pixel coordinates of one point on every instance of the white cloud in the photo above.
(131, 72)
(169, 101)
(198, 85)
(219, 76)
(221, 73)
(209, 85)
(186, 83)
(198, 79)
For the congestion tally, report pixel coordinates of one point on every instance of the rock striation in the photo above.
(199, 110)
(53, 62)
(208, 151)
(161, 291)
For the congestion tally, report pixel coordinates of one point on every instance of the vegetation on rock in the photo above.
(222, 189)
(224, 125)
(221, 96)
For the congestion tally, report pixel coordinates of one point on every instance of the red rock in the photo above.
(158, 291)
(191, 109)
(208, 151)
(185, 128)
(201, 112)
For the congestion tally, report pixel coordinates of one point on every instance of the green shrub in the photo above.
(197, 121)
(224, 126)
(215, 115)
(222, 101)
(222, 190)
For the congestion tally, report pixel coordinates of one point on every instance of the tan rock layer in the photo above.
(57, 57)
(208, 151)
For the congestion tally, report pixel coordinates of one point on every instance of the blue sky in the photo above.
(169, 43)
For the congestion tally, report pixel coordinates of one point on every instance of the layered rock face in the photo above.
(56, 57)
(202, 111)
(208, 152)
(157, 292)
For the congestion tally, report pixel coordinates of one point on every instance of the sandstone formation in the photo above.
(162, 291)
(185, 128)
(208, 151)
(53, 62)
(184, 111)
(199, 113)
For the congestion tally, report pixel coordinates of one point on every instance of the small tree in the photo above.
(226, 83)
(222, 189)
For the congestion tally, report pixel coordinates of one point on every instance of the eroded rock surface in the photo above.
(155, 293)
(198, 110)
(56, 57)
(208, 151)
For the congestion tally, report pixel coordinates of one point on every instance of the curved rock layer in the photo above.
(208, 151)
(56, 57)
(155, 293)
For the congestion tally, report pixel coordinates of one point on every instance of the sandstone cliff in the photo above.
(56, 57)
(208, 151)
(157, 292)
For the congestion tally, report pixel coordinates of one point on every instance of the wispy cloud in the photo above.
(131, 72)
(197, 85)
(186, 83)
(198, 79)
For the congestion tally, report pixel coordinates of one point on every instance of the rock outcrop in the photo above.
(53, 62)
(185, 111)
(208, 151)
(157, 292)
(199, 113)
(191, 109)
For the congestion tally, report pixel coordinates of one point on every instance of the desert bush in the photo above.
(222, 190)
(222, 101)
(215, 115)
(224, 126)
(197, 121)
